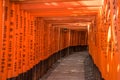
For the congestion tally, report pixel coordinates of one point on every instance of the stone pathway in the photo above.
(70, 68)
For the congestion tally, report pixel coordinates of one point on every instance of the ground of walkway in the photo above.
(69, 68)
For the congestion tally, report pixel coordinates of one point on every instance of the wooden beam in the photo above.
(60, 6)
(73, 27)
(45, 1)
(59, 14)
(28, 8)
(68, 21)
(69, 18)
(63, 13)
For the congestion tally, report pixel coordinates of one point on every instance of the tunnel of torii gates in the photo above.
(33, 31)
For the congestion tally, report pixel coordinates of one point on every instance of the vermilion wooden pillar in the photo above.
(12, 60)
(5, 39)
(1, 30)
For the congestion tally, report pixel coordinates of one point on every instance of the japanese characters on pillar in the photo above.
(60, 42)
(26, 35)
(12, 61)
(45, 41)
(49, 39)
(39, 38)
(24, 53)
(52, 40)
(35, 31)
(21, 24)
(42, 41)
(18, 39)
(28, 41)
(57, 39)
(1, 31)
(4, 40)
(33, 21)
(51, 47)
(31, 44)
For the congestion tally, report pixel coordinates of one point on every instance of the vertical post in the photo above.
(1, 31)
(4, 40)
(12, 55)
